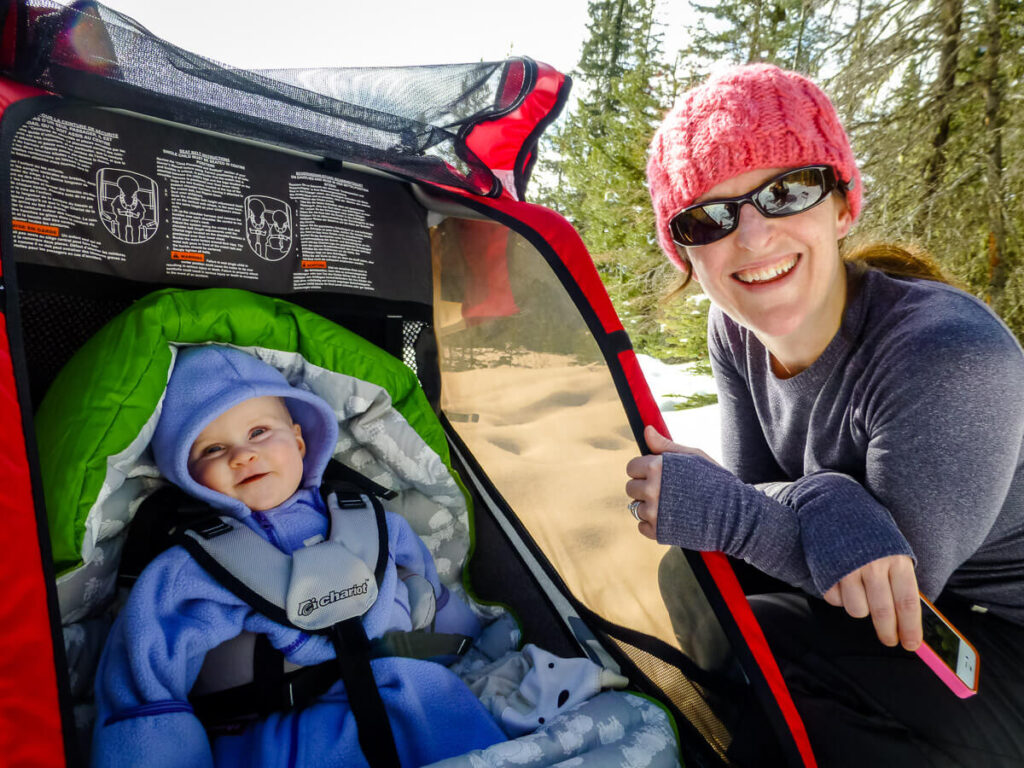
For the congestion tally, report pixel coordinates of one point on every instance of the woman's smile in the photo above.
(770, 273)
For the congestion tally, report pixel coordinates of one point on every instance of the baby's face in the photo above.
(252, 452)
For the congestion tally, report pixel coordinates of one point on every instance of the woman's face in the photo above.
(781, 278)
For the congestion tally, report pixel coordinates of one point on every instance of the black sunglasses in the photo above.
(789, 193)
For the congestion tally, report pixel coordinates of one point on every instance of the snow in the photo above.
(695, 427)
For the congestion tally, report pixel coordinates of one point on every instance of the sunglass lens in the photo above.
(704, 224)
(792, 193)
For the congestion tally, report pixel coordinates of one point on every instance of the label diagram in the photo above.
(268, 226)
(127, 203)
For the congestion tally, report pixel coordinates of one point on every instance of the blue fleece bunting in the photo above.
(177, 613)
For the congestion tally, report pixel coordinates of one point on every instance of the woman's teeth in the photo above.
(766, 273)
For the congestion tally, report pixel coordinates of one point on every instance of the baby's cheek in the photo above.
(204, 474)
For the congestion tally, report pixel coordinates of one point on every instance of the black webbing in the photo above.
(337, 473)
(375, 736)
(268, 674)
(273, 690)
(419, 645)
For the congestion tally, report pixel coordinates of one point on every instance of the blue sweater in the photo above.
(904, 437)
(176, 613)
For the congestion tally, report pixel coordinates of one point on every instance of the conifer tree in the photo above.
(931, 92)
(597, 177)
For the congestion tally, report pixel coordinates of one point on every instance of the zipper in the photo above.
(268, 528)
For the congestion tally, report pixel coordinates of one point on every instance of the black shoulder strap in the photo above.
(152, 529)
(376, 739)
(338, 476)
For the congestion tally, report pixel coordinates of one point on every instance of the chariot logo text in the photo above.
(306, 607)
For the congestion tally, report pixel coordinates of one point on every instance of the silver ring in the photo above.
(634, 507)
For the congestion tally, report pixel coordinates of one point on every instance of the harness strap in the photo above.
(376, 739)
(268, 675)
(315, 586)
(305, 684)
(419, 645)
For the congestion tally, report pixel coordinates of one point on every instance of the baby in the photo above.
(234, 434)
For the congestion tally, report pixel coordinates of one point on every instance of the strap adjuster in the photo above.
(213, 528)
(350, 501)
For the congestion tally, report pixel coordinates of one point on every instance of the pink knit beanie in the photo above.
(744, 119)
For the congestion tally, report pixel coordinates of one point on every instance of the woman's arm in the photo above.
(944, 430)
(689, 501)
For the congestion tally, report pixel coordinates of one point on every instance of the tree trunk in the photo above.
(994, 165)
(755, 33)
(951, 13)
(798, 64)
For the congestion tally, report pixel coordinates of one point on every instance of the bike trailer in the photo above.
(389, 201)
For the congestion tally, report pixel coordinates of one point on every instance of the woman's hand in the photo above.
(885, 589)
(645, 471)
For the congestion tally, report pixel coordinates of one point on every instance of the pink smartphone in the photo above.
(949, 654)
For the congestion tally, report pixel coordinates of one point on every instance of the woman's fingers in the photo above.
(908, 603)
(644, 487)
(638, 489)
(659, 444)
(853, 596)
(833, 597)
(875, 577)
(885, 589)
(643, 467)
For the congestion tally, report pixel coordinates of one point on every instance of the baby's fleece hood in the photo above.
(209, 380)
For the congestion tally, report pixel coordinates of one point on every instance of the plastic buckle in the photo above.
(213, 528)
(350, 501)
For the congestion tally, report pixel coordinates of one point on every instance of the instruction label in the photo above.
(107, 192)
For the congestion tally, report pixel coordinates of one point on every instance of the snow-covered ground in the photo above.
(696, 427)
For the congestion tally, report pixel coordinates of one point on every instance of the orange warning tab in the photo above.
(188, 256)
(38, 229)
(314, 264)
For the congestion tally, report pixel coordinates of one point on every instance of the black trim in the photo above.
(529, 83)
(462, 150)
(489, 116)
(19, 367)
(700, 752)
(619, 342)
(527, 155)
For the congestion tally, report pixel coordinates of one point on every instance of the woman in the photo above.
(872, 431)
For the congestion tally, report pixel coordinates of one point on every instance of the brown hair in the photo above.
(898, 261)
(678, 285)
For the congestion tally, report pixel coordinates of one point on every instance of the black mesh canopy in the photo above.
(411, 121)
